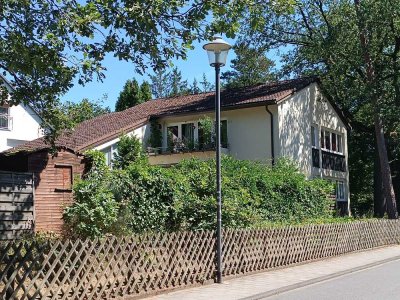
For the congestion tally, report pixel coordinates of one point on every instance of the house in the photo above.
(264, 122)
(18, 123)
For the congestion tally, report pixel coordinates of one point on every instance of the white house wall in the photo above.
(25, 127)
(296, 115)
(294, 118)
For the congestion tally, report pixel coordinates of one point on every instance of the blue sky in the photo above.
(118, 72)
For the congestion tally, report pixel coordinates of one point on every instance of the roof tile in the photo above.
(90, 132)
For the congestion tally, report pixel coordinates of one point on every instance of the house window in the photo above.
(4, 118)
(340, 190)
(109, 154)
(314, 136)
(331, 141)
(172, 136)
(188, 134)
(224, 134)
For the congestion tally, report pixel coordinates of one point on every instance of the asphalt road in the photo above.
(377, 283)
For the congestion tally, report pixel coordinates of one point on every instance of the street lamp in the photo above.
(217, 51)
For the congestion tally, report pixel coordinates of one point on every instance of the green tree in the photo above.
(206, 86)
(250, 66)
(177, 85)
(83, 110)
(129, 96)
(47, 45)
(194, 88)
(129, 150)
(145, 91)
(95, 210)
(159, 84)
(354, 47)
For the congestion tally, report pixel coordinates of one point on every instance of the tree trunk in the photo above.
(387, 184)
(373, 95)
(379, 199)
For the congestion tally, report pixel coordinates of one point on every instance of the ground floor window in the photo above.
(339, 190)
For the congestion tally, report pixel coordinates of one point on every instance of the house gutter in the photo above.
(272, 134)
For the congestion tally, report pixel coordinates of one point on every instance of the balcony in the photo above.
(333, 161)
(173, 155)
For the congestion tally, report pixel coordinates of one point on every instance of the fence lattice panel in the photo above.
(146, 264)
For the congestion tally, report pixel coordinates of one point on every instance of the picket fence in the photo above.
(140, 265)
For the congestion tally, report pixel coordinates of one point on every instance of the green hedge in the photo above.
(152, 198)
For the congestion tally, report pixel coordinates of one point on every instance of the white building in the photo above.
(286, 119)
(263, 123)
(18, 123)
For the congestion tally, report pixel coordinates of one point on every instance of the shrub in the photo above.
(129, 150)
(94, 211)
(143, 198)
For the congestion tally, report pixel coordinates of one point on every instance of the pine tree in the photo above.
(206, 85)
(194, 88)
(159, 84)
(145, 91)
(129, 96)
(250, 67)
(177, 85)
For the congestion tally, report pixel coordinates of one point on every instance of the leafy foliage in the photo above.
(167, 83)
(83, 110)
(249, 67)
(155, 139)
(206, 86)
(129, 150)
(353, 46)
(94, 211)
(182, 197)
(132, 94)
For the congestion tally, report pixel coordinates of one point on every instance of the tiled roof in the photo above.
(106, 127)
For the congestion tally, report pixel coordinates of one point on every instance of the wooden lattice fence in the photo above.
(146, 264)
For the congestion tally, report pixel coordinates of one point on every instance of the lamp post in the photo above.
(217, 51)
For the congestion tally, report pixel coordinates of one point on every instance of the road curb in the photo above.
(318, 280)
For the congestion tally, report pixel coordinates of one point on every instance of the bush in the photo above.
(252, 194)
(94, 211)
(143, 198)
(129, 150)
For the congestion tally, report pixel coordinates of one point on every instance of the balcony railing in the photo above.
(5, 122)
(333, 161)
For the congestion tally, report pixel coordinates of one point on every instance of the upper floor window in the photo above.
(314, 136)
(191, 136)
(331, 141)
(4, 118)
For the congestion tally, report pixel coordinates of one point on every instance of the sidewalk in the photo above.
(269, 283)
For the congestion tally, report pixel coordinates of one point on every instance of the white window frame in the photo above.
(338, 136)
(179, 124)
(109, 152)
(340, 193)
(196, 129)
(7, 117)
(315, 141)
